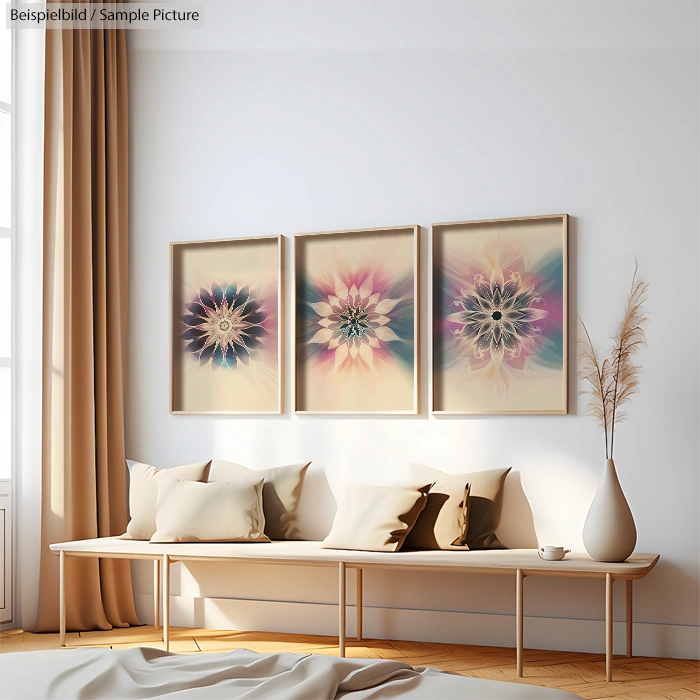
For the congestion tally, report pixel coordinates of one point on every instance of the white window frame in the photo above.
(6, 233)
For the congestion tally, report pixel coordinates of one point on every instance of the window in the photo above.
(5, 251)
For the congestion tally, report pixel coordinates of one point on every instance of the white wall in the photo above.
(534, 108)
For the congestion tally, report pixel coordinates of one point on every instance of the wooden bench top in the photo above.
(497, 561)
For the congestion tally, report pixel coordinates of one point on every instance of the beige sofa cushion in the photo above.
(376, 518)
(443, 522)
(484, 506)
(143, 494)
(281, 493)
(192, 511)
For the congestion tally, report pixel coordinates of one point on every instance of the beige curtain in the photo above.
(85, 323)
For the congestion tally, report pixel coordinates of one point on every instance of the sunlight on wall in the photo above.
(560, 488)
(547, 494)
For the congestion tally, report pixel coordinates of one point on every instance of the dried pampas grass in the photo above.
(615, 379)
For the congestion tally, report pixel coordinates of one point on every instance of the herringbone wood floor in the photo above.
(640, 678)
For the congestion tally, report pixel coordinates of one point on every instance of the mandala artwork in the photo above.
(498, 319)
(358, 318)
(500, 314)
(224, 326)
(226, 335)
(356, 322)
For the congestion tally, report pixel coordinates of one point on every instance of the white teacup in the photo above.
(552, 553)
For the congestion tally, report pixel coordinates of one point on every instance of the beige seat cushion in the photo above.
(443, 522)
(376, 518)
(143, 494)
(192, 511)
(484, 506)
(281, 493)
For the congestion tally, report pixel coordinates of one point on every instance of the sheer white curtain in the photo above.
(28, 237)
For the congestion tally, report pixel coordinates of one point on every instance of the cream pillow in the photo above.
(143, 494)
(376, 518)
(443, 522)
(485, 502)
(281, 493)
(192, 511)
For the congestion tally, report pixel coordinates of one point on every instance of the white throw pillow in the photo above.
(192, 511)
(376, 518)
(143, 494)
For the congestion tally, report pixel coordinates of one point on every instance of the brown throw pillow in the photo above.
(281, 493)
(443, 522)
(376, 518)
(485, 503)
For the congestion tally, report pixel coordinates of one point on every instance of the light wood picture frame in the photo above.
(356, 321)
(227, 326)
(500, 316)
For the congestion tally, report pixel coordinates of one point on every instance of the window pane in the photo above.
(5, 170)
(5, 292)
(5, 423)
(5, 62)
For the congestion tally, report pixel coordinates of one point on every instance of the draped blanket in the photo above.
(150, 673)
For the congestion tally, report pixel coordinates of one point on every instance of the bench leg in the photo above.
(519, 621)
(359, 604)
(608, 626)
(166, 602)
(341, 607)
(156, 592)
(62, 598)
(629, 617)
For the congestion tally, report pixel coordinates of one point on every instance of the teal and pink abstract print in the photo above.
(499, 316)
(226, 336)
(356, 321)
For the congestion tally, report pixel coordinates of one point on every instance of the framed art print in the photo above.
(500, 316)
(356, 321)
(227, 326)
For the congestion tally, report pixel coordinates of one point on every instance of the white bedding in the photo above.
(150, 673)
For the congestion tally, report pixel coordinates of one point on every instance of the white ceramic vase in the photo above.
(609, 533)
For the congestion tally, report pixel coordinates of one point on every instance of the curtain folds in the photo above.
(85, 323)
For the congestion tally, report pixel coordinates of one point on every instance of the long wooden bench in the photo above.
(518, 563)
